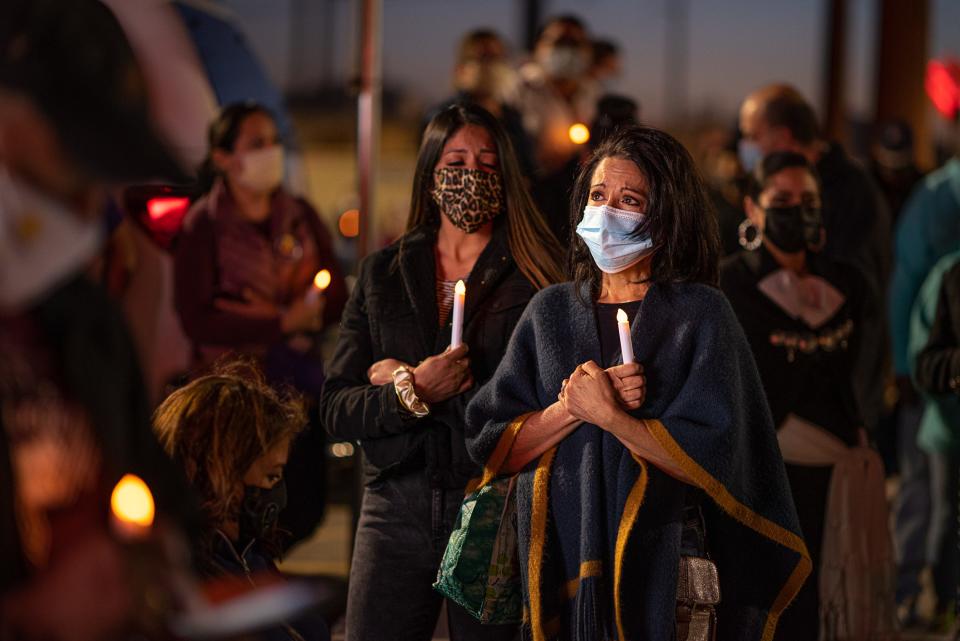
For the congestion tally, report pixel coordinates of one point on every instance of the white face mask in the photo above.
(565, 62)
(261, 169)
(42, 242)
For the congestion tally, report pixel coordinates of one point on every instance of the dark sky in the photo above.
(735, 45)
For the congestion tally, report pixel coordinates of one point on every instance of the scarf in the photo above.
(856, 565)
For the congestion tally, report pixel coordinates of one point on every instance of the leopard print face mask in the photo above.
(470, 198)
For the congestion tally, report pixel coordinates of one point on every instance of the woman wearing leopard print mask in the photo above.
(394, 383)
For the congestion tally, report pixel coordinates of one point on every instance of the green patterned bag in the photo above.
(480, 569)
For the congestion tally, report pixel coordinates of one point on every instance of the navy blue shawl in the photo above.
(599, 527)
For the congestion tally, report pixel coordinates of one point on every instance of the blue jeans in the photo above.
(913, 505)
(942, 552)
(403, 531)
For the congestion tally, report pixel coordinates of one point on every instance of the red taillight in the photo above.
(160, 208)
(943, 86)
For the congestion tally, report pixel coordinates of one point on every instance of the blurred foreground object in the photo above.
(74, 122)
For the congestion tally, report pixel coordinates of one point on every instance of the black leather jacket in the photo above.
(392, 313)
(938, 365)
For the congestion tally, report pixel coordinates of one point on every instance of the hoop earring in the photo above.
(744, 229)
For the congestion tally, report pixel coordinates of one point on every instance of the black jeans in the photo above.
(403, 531)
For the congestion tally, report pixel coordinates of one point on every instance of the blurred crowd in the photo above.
(199, 359)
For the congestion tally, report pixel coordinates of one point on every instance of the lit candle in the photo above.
(320, 282)
(626, 347)
(131, 504)
(459, 296)
(579, 133)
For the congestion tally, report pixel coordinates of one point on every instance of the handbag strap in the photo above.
(693, 537)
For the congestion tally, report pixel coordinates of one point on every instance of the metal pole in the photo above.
(295, 49)
(901, 62)
(676, 55)
(834, 113)
(532, 11)
(328, 29)
(368, 117)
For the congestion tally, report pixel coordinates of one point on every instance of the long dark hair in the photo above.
(222, 134)
(679, 215)
(533, 246)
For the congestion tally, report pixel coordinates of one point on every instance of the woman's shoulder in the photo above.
(738, 265)
(200, 214)
(556, 296)
(695, 297)
(694, 304)
(379, 262)
(846, 277)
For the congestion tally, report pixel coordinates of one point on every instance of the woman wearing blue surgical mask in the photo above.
(803, 314)
(245, 263)
(652, 493)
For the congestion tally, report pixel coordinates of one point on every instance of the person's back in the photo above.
(893, 165)
(928, 229)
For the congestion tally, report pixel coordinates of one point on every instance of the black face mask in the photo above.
(793, 229)
(260, 510)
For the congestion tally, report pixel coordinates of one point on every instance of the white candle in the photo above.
(626, 347)
(459, 296)
(320, 282)
(131, 506)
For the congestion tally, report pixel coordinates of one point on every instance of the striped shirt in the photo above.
(445, 292)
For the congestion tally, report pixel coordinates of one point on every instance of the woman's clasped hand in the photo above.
(436, 379)
(596, 395)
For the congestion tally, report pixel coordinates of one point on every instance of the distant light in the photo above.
(132, 502)
(160, 208)
(579, 133)
(942, 84)
(342, 450)
(322, 280)
(349, 223)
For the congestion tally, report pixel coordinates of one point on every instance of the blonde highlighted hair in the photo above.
(216, 426)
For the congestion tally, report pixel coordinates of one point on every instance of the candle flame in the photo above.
(132, 502)
(579, 133)
(322, 280)
(622, 316)
(460, 289)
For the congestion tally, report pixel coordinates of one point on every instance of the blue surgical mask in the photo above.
(612, 238)
(750, 154)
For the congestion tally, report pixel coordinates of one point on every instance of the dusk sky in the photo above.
(735, 45)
